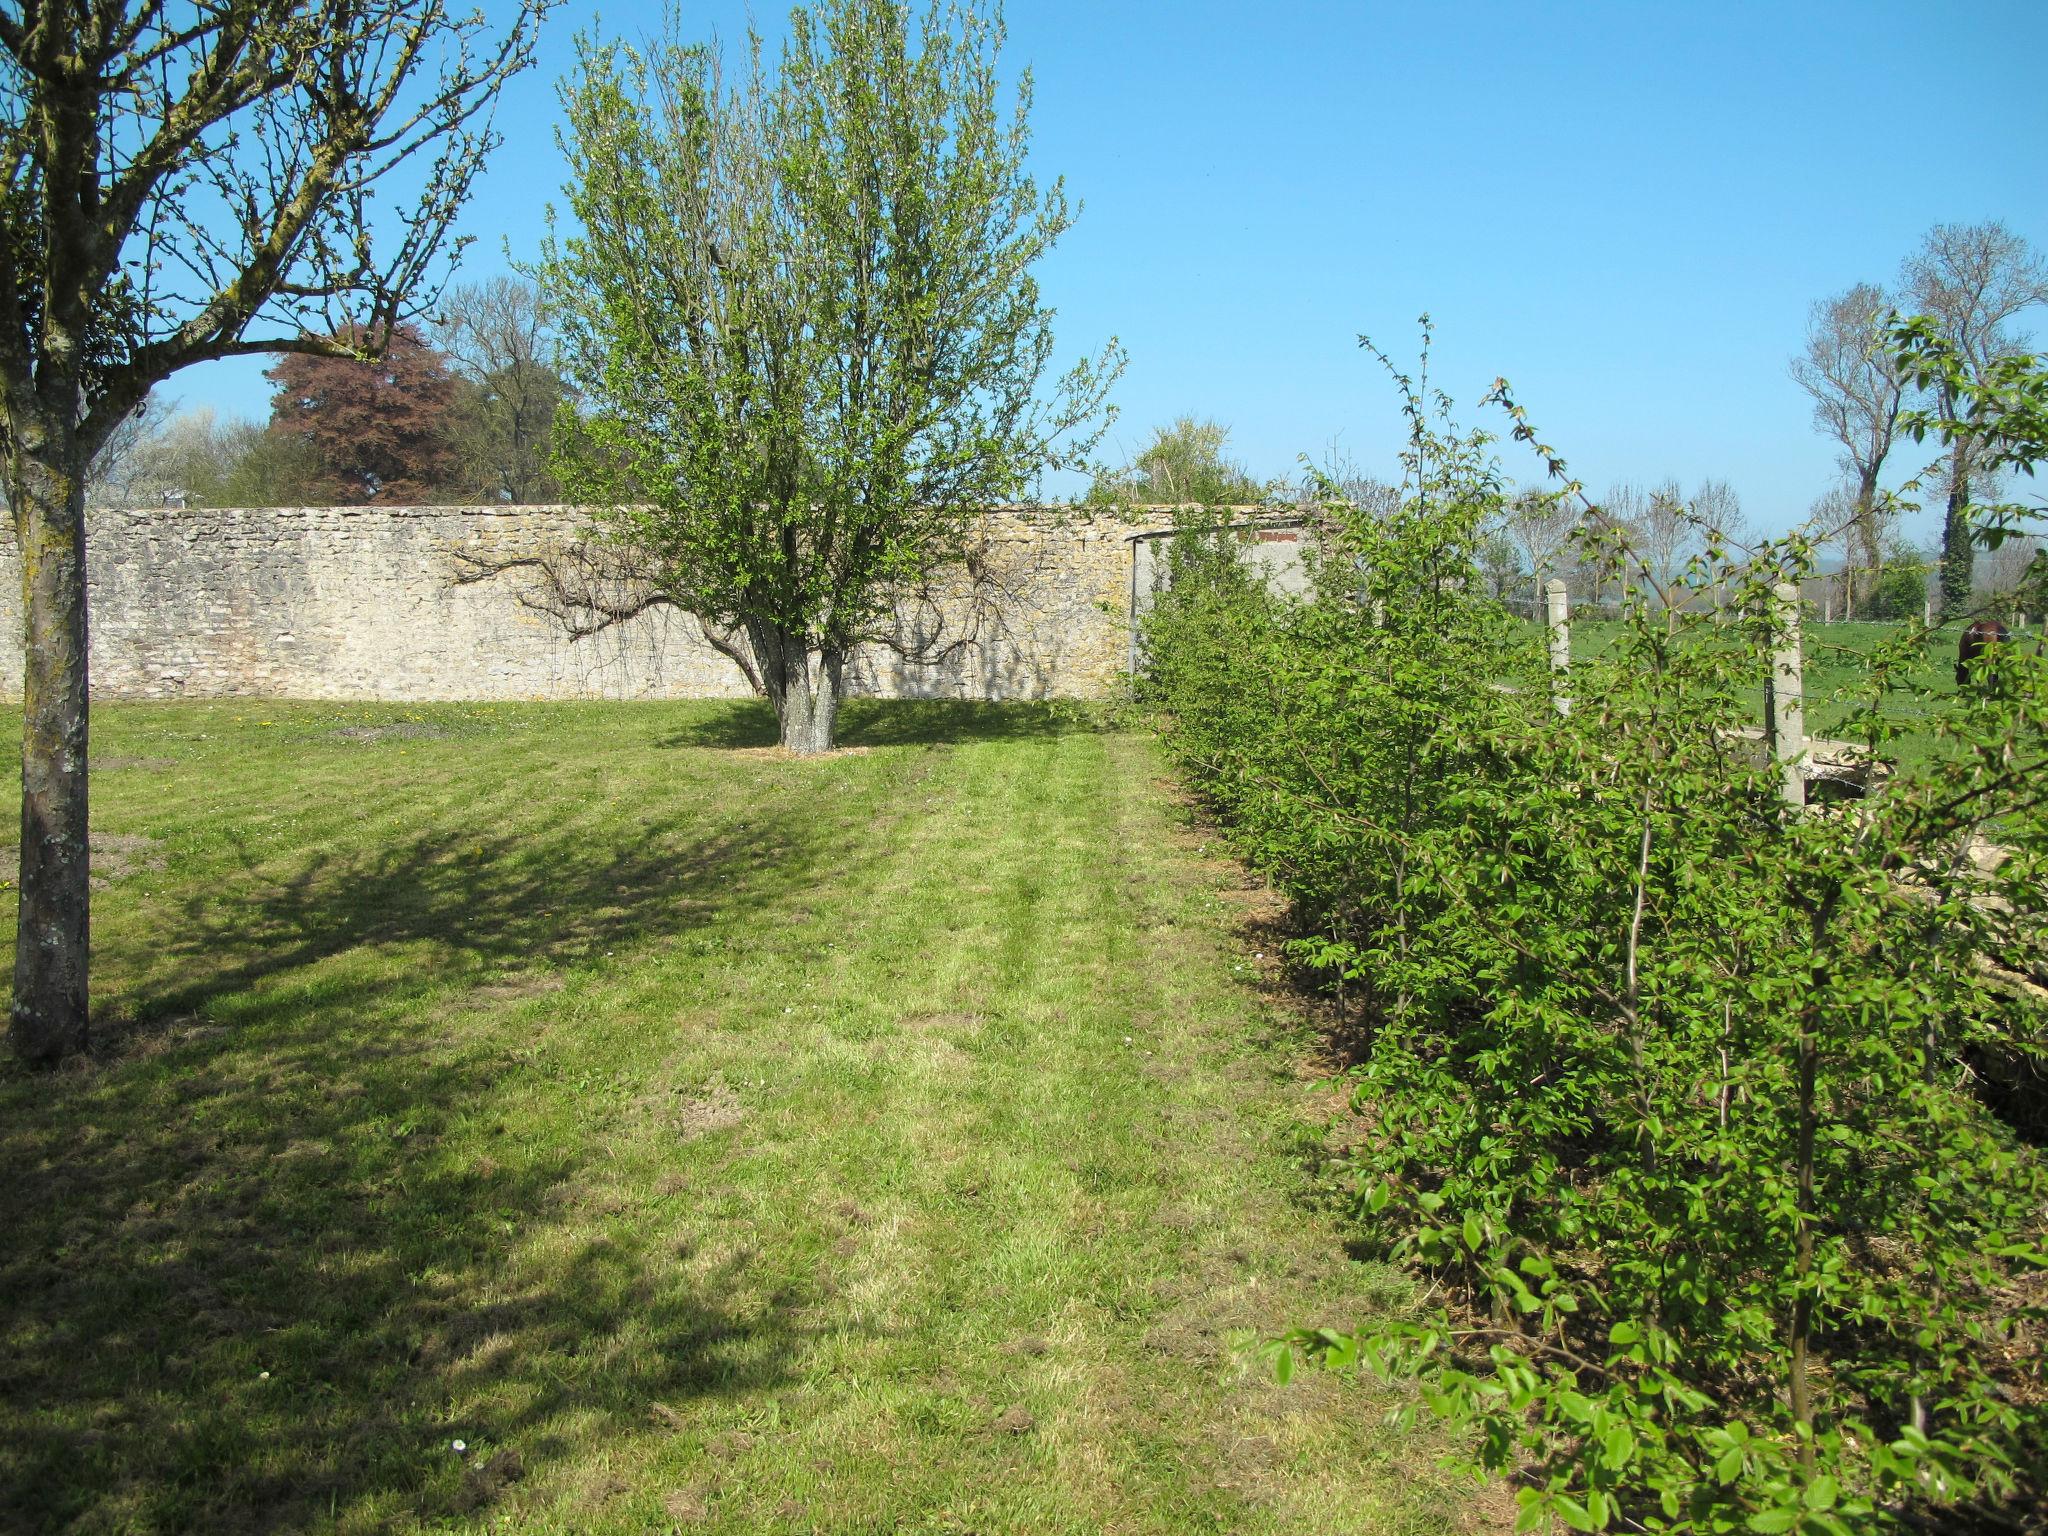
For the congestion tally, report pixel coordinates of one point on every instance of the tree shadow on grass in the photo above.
(745, 723)
(257, 1277)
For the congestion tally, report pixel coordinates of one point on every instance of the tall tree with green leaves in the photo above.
(802, 318)
(182, 183)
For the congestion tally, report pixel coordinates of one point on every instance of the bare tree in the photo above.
(1849, 368)
(1974, 279)
(1660, 524)
(196, 455)
(1833, 527)
(495, 336)
(107, 479)
(1539, 524)
(1717, 516)
(2008, 567)
(189, 182)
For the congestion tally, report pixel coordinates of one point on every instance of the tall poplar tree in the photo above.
(802, 319)
(187, 181)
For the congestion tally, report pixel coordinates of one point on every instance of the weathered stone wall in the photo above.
(363, 603)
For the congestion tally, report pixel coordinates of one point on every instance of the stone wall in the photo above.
(364, 603)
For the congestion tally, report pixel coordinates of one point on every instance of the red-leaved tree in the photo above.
(380, 431)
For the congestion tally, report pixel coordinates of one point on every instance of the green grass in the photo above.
(708, 1140)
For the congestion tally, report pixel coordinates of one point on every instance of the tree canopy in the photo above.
(378, 429)
(801, 314)
(1183, 464)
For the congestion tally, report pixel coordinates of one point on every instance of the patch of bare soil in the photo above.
(701, 1112)
(115, 856)
(686, 1506)
(112, 764)
(784, 755)
(942, 1023)
(402, 730)
(510, 989)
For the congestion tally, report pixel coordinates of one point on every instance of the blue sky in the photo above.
(1624, 209)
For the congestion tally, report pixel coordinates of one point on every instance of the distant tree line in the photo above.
(1974, 282)
(460, 409)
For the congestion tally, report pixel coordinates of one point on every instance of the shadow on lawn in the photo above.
(272, 1198)
(892, 723)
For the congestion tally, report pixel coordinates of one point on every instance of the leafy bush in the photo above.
(1901, 591)
(1666, 1083)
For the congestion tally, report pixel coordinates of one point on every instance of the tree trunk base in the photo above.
(804, 686)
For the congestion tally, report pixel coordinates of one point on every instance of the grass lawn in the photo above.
(706, 1140)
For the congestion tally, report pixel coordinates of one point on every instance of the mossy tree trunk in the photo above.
(1958, 551)
(129, 129)
(50, 1011)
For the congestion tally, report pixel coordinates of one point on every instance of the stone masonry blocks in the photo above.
(362, 603)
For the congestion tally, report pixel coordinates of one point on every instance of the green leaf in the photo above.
(1617, 1448)
(1573, 1513)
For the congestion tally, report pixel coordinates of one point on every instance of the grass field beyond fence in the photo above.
(1835, 670)
(704, 1140)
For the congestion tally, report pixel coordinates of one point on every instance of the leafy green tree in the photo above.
(188, 182)
(1184, 465)
(802, 319)
(1901, 589)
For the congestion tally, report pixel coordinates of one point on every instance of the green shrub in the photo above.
(1667, 1082)
(1900, 593)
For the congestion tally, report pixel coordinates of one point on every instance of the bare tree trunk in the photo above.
(49, 1016)
(803, 683)
(809, 710)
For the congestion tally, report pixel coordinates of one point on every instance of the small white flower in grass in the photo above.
(460, 1447)
(263, 1375)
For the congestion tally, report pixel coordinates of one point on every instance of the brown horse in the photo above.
(1977, 639)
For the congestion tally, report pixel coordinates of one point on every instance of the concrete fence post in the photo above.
(1927, 611)
(1557, 614)
(1785, 703)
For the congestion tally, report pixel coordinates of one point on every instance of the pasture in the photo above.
(1838, 677)
(551, 1117)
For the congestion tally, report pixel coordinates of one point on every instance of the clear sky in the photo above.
(1625, 209)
